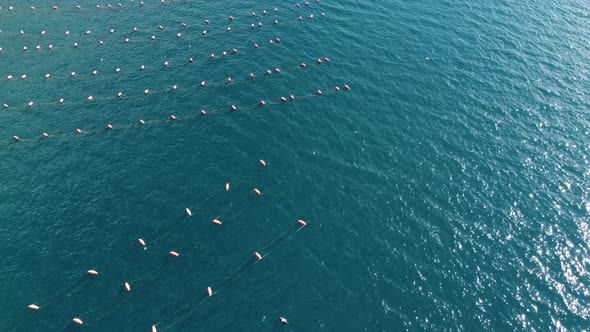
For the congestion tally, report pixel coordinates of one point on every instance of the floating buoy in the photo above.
(154, 328)
(209, 291)
(251, 75)
(258, 256)
(16, 138)
(72, 74)
(142, 67)
(319, 92)
(119, 94)
(94, 72)
(262, 103)
(203, 112)
(216, 222)
(292, 97)
(173, 254)
(283, 320)
(301, 222)
(118, 70)
(172, 117)
(128, 287)
(283, 99)
(257, 192)
(268, 72)
(141, 242)
(233, 107)
(337, 88)
(346, 87)
(146, 91)
(319, 61)
(231, 18)
(277, 70)
(109, 126)
(206, 21)
(78, 131)
(202, 83)
(262, 162)
(33, 307)
(327, 59)
(303, 65)
(92, 272)
(141, 122)
(45, 135)
(90, 98)
(227, 187)
(255, 45)
(188, 212)
(77, 321)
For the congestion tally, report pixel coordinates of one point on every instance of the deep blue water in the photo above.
(447, 190)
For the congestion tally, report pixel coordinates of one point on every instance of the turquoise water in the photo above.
(447, 190)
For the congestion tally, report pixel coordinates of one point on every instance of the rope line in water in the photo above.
(137, 282)
(151, 39)
(172, 118)
(229, 19)
(243, 268)
(203, 85)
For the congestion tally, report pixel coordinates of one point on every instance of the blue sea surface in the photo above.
(447, 190)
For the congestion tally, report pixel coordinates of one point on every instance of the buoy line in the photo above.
(123, 95)
(185, 27)
(79, 132)
(151, 38)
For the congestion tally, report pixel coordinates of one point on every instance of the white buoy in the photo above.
(188, 212)
(209, 291)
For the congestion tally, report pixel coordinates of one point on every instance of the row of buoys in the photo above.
(160, 27)
(127, 285)
(77, 7)
(117, 6)
(203, 84)
(128, 40)
(142, 122)
(95, 74)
